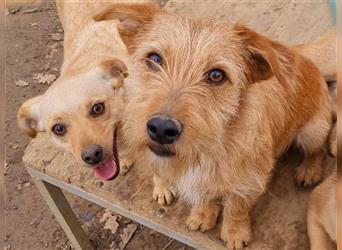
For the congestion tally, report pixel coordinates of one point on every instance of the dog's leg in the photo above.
(204, 217)
(311, 139)
(319, 239)
(162, 193)
(310, 172)
(126, 161)
(236, 229)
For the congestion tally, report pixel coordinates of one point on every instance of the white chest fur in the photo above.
(191, 186)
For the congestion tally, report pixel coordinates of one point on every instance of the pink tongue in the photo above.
(107, 169)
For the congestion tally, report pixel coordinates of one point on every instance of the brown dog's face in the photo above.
(189, 85)
(188, 81)
(80, 113)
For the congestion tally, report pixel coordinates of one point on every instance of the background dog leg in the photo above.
(319, 239)
(162, 193)
(204, 217)
(311, 140)
(236, 229)
(126, 162)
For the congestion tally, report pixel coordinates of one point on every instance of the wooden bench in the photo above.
(278, 218)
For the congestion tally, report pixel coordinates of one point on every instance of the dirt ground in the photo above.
(34, 45)
(34, 56)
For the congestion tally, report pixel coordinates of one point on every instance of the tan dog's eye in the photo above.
(216, 76)
(97, 109)
(152, 60)
(59, 129)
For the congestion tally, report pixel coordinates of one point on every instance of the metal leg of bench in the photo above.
(63, 212)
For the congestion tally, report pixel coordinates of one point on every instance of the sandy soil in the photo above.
(34, 45)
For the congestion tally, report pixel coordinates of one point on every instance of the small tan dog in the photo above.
(84, 106)
(211, 108)
(322, 213)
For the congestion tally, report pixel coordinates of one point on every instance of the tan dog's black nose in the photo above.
(92, 155)
(163, 130)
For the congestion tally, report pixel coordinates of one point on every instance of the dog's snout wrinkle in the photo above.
(163, 129)
(92, 155)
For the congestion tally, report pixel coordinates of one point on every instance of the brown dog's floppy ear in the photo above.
(264, 57)
(132, 18)
(115, 69)
(27, 117)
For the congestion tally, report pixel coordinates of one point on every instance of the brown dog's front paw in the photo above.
(201, 221)
(309, 175)
(203, 218)
(163, 195)
(236, 234)
(310, 172)
(125, 165)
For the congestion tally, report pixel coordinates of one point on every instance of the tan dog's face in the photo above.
(188, 81)
(80, 113)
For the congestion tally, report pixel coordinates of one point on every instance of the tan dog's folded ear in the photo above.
(115, 69)
(27, 117)
(264, 57)
(132, 18)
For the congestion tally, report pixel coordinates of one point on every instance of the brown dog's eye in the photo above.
(97, 109)
(216, 76)
(152, 60)
(59, 129)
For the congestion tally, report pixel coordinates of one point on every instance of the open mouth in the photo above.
(110, 168)
(161, 151)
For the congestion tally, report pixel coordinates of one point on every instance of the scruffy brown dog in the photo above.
(211, 108)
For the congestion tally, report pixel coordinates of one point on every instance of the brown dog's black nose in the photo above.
(92, 155)
(163, 130)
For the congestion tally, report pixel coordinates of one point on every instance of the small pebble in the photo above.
(99, 184)
(161, 212)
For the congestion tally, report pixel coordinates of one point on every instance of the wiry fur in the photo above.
(234, 132)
